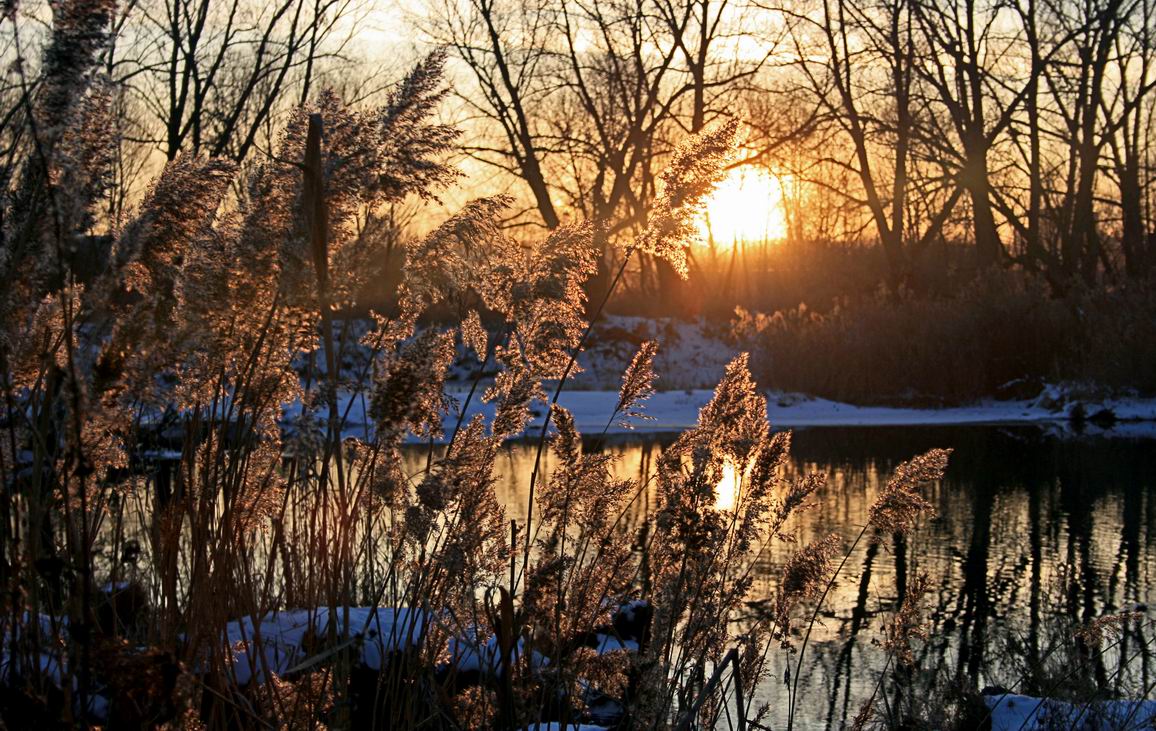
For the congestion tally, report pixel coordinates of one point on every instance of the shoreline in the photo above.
(677, 411)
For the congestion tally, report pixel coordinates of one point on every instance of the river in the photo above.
(1034, 531)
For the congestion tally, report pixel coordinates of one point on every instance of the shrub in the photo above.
(1003, 328)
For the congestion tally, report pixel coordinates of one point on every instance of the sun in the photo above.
(746, 206)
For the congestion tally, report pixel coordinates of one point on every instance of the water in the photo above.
(1033, 531)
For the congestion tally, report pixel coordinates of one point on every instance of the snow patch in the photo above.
(1015, 712)
(468, 654)
(691, 353)
(276, 643)
(610, 643)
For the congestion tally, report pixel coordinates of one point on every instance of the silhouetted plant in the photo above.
(190, 406)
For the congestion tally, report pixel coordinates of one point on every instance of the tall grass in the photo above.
(195, 534)
(198, 531)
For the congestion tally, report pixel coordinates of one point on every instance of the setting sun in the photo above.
(746, 206)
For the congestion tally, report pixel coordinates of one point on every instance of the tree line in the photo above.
(1019, 128)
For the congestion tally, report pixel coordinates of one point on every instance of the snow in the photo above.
(52, 656)
(1015, 712)
(628, 609)
(691, 354)
(49, 666)
(279, 637)
(789, 410)
(51, 662)
(610, 643)
(468, 654)
(690, 361)
(676, 411)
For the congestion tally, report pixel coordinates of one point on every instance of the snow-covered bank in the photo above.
(1104, 415)
(690, 361)
(676, 411)
(287, 643)
(1011, 712)
(690, 354)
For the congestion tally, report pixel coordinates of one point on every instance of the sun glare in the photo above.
(726, 492)
(746, 206)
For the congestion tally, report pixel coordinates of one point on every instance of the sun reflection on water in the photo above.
(727, 490)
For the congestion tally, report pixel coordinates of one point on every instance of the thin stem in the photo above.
(793, 700)
(554, 400)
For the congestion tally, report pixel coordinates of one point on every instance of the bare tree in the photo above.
(209, 76)
(504, 48)
(1077, 82)
(1129, 139)
(859, 61)
(960, 43)
(583, 100)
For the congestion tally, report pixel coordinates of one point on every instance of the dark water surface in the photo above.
(1034, 531)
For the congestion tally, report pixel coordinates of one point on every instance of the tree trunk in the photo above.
(1133, 239)
(987, 242)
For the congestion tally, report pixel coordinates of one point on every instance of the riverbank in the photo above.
(676, 411)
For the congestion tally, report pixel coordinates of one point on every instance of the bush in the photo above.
(1004, 328)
